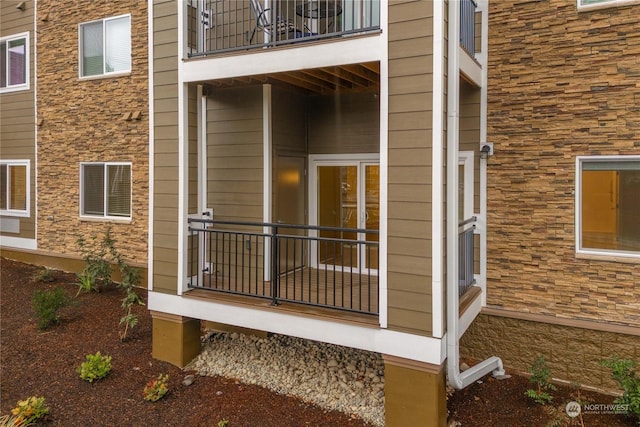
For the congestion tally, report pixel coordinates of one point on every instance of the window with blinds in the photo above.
(105, 46)
(14, 62)
(14, 187)
(105, 190)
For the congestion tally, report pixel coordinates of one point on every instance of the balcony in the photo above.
(468, 26)
(330, 267)
(218, 26)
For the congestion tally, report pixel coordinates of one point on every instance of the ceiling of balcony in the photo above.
(363, 77)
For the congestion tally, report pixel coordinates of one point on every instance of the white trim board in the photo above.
(385, 341)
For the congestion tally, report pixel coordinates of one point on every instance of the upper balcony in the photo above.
(221, 26)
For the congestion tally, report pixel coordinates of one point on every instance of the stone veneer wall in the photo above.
(572, 353)
(562, 83)
(83, 121)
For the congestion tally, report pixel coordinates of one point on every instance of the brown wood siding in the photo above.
(344, 124)
(235, 153)
(410, 158)
(288, 111)
(165, 96)
(17, 111)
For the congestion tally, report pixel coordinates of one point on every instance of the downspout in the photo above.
(457, 379)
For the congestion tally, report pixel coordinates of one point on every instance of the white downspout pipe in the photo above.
(456, 378)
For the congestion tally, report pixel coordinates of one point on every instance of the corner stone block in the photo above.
(176, 339)
(415, 393)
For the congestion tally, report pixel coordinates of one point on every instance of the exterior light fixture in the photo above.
(486, 150)
(21, 6)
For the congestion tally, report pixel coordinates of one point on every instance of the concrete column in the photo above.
(176, 339)
(415, 393)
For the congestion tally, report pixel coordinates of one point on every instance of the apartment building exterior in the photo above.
(390, 176)
(563, 251)
(75, 127)
(316, 171)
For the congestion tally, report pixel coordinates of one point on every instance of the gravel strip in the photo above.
(331, 376)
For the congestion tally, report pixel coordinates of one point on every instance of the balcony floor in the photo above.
(323, 289)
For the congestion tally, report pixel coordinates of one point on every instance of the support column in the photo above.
(176, 339)
(415, 393)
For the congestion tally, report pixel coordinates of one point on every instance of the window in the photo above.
(14, 62)
(105, 46)
(595, 4)
(105, 190)
(608, 203)
(14, 187)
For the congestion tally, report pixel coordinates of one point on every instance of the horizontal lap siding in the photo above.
(17, 110)
(165, 95)
(410, 158)
(235, 153)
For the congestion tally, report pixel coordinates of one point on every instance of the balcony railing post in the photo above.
(275, 266)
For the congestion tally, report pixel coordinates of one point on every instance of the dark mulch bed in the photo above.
(43, 363)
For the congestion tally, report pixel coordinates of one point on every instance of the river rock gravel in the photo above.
(331, 376)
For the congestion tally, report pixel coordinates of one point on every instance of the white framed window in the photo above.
(599, 4)
(14, 63)
(14, 187)
(607, 205)
(105, 190)
(105, 46)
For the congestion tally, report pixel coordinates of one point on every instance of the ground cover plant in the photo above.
(43, 364)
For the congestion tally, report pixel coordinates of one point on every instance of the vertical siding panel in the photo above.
(165, 227)
(17, 113)
(410, 124)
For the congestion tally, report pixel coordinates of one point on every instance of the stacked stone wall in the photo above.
(572, 353)
(562, 84)
(83, 121)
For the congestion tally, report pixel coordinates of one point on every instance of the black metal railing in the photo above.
(468, 26)
(216, 26)
(318, 266)
(466, 255)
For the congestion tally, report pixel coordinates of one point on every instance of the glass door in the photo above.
(347, 199)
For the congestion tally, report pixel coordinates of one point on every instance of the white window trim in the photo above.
(596, 253)
(105, 74)
(26, 85)
(604, 4)
(15, 212)
(104, 177)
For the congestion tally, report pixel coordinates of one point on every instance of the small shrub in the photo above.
(624, 373)
(156, 389)
(86, 282)
(45, 275)
(223, 423)
(95, 368)
(540, 376)
(29, 410)
(47, 304)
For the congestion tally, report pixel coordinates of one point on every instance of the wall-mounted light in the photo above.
(21, 6)
(486, 150)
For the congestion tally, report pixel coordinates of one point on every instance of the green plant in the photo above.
(223, 423)
(47, 304)
(156, 389)
(95, 254)
(45, 275)
(99, 255)
(624, 373)
(29, 410)
(86, 282)
(130, 279)
(540, 376)
(95, 367)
